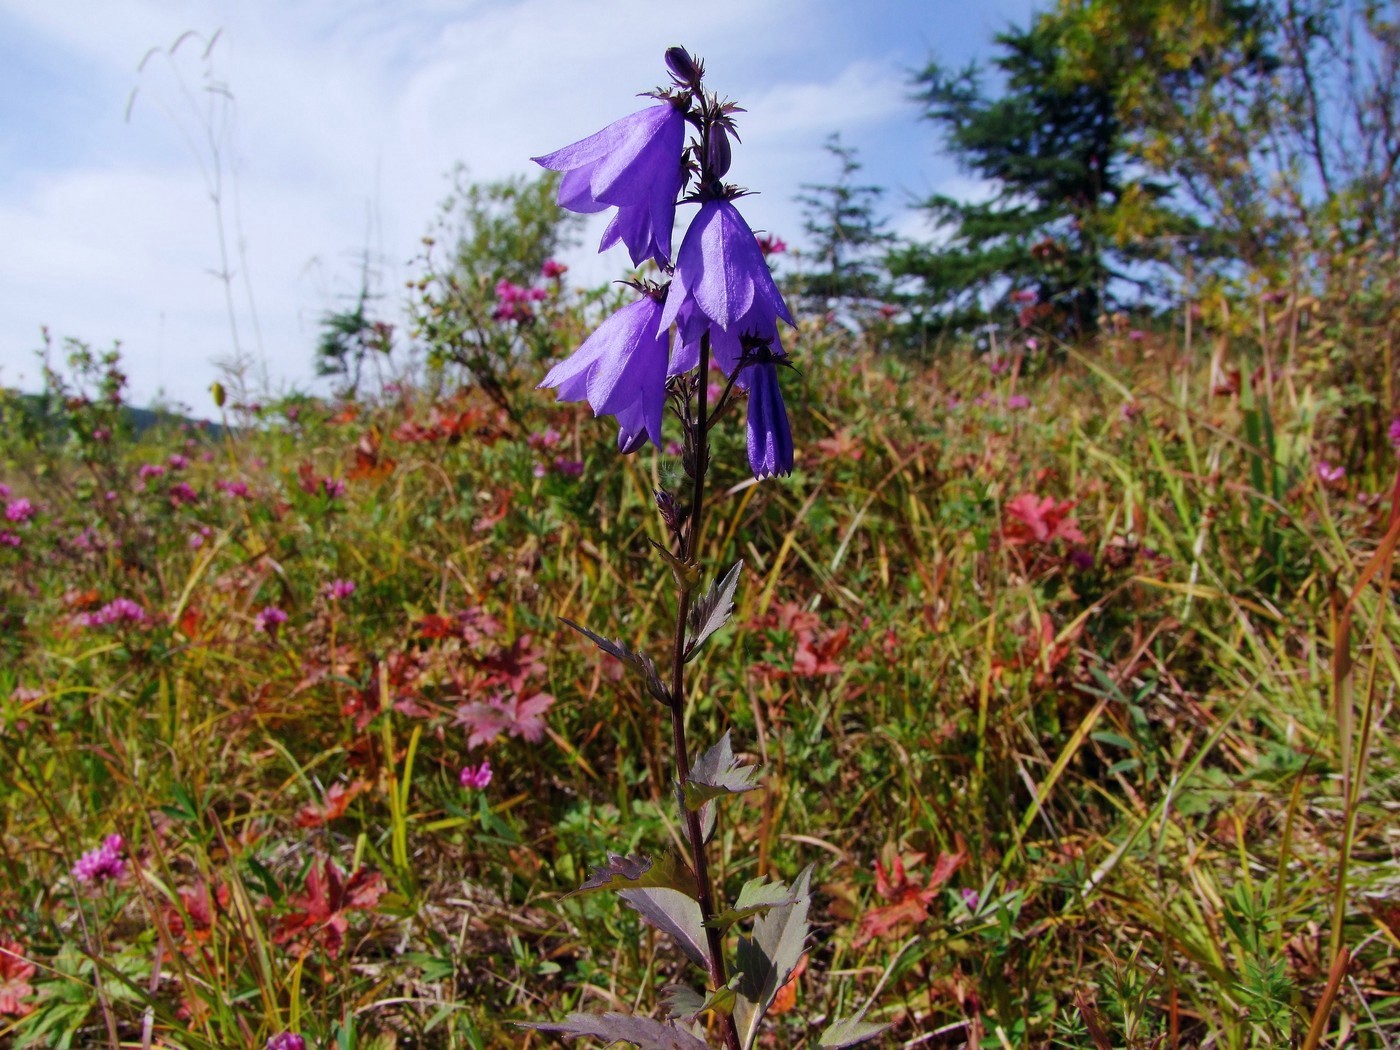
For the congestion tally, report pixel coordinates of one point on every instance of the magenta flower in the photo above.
(553, 269)
(338, 589)
(771, 244)
(146, 471)
(1394, 433)
(620, 370)
(1329, 474)
(269, 619)
(769, 436)
(333, 487)
(10, 539)
(177, 462)
(181, 494)
(634, 165)
(19, 510)
(286, 1041)
(117, 611)
(103, 863)
(721, 278)
(475, 777)
(1018, 401)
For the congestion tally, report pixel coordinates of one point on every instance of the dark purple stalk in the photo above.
(690, 547)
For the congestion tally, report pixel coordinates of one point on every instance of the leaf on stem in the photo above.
(635, 872)
(685, 1004)
(768, 958)
(711, 611)
(618, 1028)
(672, 912)
(757, 896)
(639, 662)
(717, 772)
(687, 575)
(849, 1032)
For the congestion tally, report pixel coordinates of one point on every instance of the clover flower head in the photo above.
(634, 165)
(1330, 474)
(475, 777)
(269, 619)
(103, 863)
(620, 370)
(286, 1041)
(19, 510)
(338, 589)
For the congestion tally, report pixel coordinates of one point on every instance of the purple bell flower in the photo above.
(721, 273)
(769, 436)
(620, 370)
(634, 165)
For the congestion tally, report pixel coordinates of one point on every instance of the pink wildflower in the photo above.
(334, 487)
(146, 471)
(181, 494)
(10, 539)
(177, 462)
(1394, 433)
(19, 510)
(4, 490)
(475, 777)
(769, 244)
(571, 468)
(269, 619)
(103, 863)
(338, 589)
(553, 269)
(1329, 474)
(1018, 401)
(543, 439)
(286, 1041)
(1136, 335)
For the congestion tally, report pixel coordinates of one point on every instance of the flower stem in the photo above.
(694, 832)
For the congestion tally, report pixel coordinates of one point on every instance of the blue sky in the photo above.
(336, 123)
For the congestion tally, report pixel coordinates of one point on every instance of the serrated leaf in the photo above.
(635, 872)
(849, 1032)
(674, 913)
(758, 895)
(622, 1028)
(768, 958)
(639, 662)
(711, 611)
(681, 1002)
(717, 773)
(687, 575)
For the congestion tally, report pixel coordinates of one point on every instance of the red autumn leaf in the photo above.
(909, 895)
(15, 971)
(505, 714)
(369, 464)
(786, 998)
(818, 652)
(1034, 519)
(434, 626)
(338, 797)
(320, 918)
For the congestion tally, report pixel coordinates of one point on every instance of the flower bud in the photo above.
(684, 69)
(718, 154)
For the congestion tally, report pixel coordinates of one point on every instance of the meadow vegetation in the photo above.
(1070, 676)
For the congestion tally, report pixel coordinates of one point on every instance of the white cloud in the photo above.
(345, 119)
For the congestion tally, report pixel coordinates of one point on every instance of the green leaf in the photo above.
(621, 1028)
(769, 957)
(717, 773)
(673, 912)
(639, 662)
(758, 895)
(849, 1032)
(635, 872)
(711, 611)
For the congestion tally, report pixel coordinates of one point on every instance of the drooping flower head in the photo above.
(634, 165)
(768, 434)
(620, 370)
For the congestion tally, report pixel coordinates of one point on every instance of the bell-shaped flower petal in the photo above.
(721, 270)
(620, 370)
(769, 436)
(634, 165)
